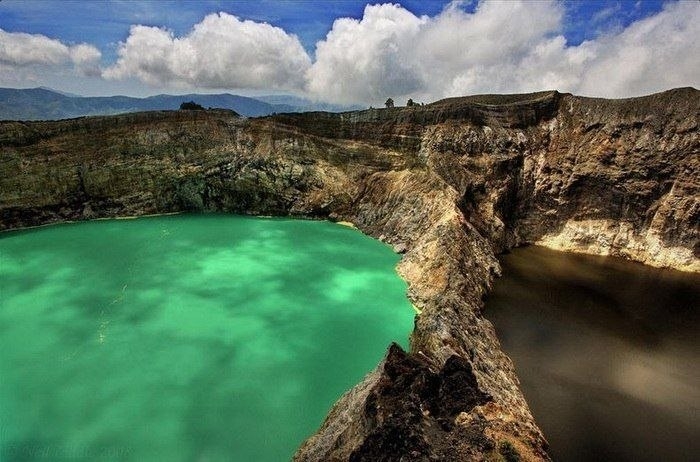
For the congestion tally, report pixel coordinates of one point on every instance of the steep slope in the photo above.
(450, 185)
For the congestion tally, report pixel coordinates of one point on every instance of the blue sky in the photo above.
(105, 23)
(106, 26)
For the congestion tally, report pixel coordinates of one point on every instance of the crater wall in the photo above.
(450, 185)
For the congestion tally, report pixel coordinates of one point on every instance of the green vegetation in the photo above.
(191, 106)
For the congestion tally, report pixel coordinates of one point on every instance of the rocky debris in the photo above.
(411, 410)
(449, 185)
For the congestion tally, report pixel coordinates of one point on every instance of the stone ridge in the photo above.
(450, 185)
(401, 127)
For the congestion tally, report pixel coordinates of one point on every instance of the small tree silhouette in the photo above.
(410, 102)
(389, 102)
(191, 106)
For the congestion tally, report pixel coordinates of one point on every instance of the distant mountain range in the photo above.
(48, 104)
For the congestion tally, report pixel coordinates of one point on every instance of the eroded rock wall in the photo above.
(449, 185)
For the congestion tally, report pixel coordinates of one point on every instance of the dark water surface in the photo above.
(608, 353)
(186, 338)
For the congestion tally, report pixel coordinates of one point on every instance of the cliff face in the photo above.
(450, 185)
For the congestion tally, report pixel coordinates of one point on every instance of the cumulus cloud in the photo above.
(367, 59)
(503, 46)
(656, 53)
(220, 52)
(21, 50)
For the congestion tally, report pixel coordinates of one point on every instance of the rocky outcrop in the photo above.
(413, 411)
(450, 185)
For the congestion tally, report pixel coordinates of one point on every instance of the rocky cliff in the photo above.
(450, 185)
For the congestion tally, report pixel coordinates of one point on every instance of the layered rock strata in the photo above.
(449, 185)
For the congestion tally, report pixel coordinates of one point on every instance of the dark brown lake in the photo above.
(607, 351)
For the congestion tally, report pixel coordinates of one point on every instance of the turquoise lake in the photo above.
(187, 338)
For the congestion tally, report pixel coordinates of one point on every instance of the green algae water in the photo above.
(186, 338)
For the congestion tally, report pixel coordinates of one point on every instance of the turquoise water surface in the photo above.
(186, 338)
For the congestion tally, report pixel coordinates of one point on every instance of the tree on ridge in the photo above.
(191, 106)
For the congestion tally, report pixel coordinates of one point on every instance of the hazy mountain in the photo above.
(48, 104)
(306, 105)
(64, 93)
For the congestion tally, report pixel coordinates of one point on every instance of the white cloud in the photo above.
(465, 53)
(503, 46)
(365, 60)
(220, 52)
(391, 52)
(20, 50)
(656, 53)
